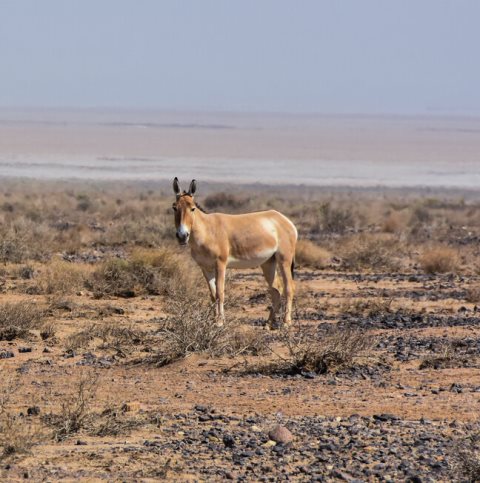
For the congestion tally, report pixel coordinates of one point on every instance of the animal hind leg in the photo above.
(285, 267)
(269, 270)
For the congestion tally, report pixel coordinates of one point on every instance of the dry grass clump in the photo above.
(394, 222)
(309, 254)
(75, 408)
(449, 358)
(18, 433)
(60, 277)
(334, 219)
(225, 202)
(113, 421)
(371, 252)
(109, 336)
(473, 295)
(161, 271)
(334, 351)
(24, 239)
(192, 328)
(18, 318)
(123, 278)
(174, 268)
(371, 307)
(439, 259)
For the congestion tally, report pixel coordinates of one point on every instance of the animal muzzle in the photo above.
(182, 236)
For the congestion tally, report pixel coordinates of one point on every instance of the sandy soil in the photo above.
(248, 400)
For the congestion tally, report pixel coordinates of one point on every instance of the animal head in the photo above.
(184, 209)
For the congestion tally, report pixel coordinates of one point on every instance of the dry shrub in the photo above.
(18, 318)
(369, 307)
(370, 251)
(334, 351)
(473, 295)
(75, 408)
(17, 433)
(335, 219)
(465, 458)
(113, 421)
(161, 271)
(439, 259)
(449, 358)
(123, 278)
(109, 335)
(192, 328)
(174, 268)
(394, 222)
(60, 277)
(24, 239)
(150, 232)
(225, 201)
(48, 331)
(310, 254)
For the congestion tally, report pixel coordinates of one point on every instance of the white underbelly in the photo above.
(250, 262)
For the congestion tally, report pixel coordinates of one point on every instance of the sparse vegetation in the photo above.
(335, 350)
(18, 318)
(439, 259)
(72, 255)
(465, 458)
(192, 328)
(113, 336)
(75, 408)
(371, 253)
(311, 255)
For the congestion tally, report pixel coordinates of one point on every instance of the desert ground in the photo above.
(112, 366)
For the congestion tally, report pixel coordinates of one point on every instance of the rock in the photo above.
(385, 417)
(200, 408)
(280, 434)
(228, 441)
(269, 444)
(133, 406)
(33, 411)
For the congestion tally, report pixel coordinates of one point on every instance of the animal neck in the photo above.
(199, 226)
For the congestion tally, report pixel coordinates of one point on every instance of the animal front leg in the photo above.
(210, 278)
(220, 290)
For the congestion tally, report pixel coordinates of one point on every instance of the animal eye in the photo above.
(193, 209)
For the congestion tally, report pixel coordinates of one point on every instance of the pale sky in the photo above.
(325, 56)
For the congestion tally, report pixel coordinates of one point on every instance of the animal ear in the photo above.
(193, 187)
(176, 186)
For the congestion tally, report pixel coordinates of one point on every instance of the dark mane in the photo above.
(201, 208)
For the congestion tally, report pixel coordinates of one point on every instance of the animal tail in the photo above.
(292, 269)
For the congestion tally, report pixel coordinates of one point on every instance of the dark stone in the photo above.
(33, 411)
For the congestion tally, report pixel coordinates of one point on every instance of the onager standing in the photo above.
(218, 241)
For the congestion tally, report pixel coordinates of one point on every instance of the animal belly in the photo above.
(250, 262)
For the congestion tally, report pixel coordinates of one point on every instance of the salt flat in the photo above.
(319, 150)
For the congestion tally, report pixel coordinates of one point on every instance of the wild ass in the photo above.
(219, 241)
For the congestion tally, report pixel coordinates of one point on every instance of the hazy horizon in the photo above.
(274, 56)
